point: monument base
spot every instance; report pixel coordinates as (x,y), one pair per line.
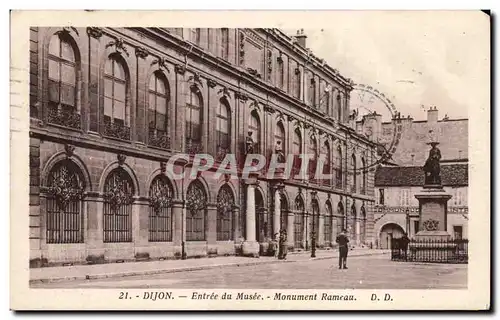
(251,249)
(432,235)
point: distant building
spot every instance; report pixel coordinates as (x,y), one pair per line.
(396,182)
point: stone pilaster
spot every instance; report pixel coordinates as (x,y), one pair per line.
(250,246)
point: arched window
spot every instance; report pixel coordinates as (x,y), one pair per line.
(62,92)
(341,220)
(194,122)
(196,199)
(328,222)
(279,135)
(64,203)
(264,225)
(118,199)
(159,99)
(338,169)
(224,43)
(354,174)
(225,219)
(297,151)
(338,107)
(116,109)
(254,127)
(223,128)
(363,177)
(298,230)
(313,151)
(160,210)
(327,169)
(327,100)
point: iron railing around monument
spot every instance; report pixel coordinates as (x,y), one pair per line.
(426,250)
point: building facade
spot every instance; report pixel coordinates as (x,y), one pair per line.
(109,107)
(396,208)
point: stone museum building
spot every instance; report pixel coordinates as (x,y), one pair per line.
(396,183)
(110,106)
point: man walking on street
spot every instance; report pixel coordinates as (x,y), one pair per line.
(343,242)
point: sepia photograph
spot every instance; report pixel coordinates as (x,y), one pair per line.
(271,164)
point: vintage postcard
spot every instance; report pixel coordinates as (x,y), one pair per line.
(334,160)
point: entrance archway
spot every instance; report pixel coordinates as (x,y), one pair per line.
(388,232)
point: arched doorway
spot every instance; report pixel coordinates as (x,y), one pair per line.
(388,232)
(284,212)
(314,221)
(263,224)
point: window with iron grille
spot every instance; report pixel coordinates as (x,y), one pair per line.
(340,217)
(118,199)
(160,210)
(194,121)
(196,212)
(62,84)
(225,219)
(223,129)
(254,127)
(64,203)
(159,99)
(328,222)
(116,109)
(298,233)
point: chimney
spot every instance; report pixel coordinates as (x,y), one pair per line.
(301,38)
(432,115)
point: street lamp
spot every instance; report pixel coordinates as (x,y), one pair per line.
(183,215)
(313,232)
(407,222)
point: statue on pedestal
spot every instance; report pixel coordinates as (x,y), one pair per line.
(432,167)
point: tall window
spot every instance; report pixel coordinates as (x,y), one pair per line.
(327,100)
(279,135)
(196,212)
(298,230)
(363,176)
(297,151)
(194,120)
(327,169)
(254,127)
(404,199)
(338,107)
(341,220)
(223,128)
(328,222)
(160,210)
(281,73)
(224,43)
(62,83)
(159,97)
(118,199)
(64,204)
(312,91)
(195,35)
(354,174)
(225,219)
(313,151)
(116,112)
(297,82)
(338,169)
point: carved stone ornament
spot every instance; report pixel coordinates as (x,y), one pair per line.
(162,64)
(141,52)
(297,71)
(269,64)
(119,45)
(65,186)
(67,30)
(94,32)
(212,83)
(431,225)
(268,108)
(195,199)
(117,196)
(160,197)
(241,96)
(195,79)
(225,92)
(180,69)
(242,48)
(69,150)
(290,117)
(121,159)
(163,167)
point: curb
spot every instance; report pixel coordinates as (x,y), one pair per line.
(182,269)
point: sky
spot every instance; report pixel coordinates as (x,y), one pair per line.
(418,59)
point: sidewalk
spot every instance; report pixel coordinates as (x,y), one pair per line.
(111,270)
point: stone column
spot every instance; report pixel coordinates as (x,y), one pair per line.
(250,246)
(140,221)
(277,212)
(236,224)
(177,225)
(211,228)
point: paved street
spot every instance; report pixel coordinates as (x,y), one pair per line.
(365,272)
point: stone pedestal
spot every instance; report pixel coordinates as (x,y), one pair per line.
(250,246)
(433,213)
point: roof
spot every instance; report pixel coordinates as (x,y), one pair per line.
(451,175)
